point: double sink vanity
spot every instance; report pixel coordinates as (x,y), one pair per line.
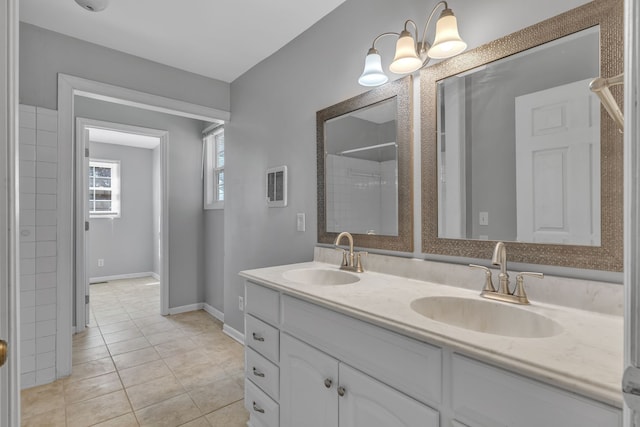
(327,347)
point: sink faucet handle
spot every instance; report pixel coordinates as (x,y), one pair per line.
(488,283)
(519,291)
(359,268)
(345,258)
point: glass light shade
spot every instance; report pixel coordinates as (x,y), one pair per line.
(373,74)
(447,42)
(406,59)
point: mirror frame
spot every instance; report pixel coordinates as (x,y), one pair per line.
(402,90)
(608,14)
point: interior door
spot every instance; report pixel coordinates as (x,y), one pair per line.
(558,163)
(9,316)
(82,228)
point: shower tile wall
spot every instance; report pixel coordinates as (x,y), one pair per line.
(38,243)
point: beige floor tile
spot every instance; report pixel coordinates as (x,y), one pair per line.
(172,412)
(90,341)
(114,318)
(135,358)
(90,369)
(198,422)
(150,320)
(144,373)
(98,409)
(217,395)
(173,347)
(126,420)
(120,336)
(195,376)
(155,391)
(128,345)
(86,355)
(118,326)
(41,399)
(165,337)
(193,357)
(54,418)
(157,328)
(89,388)
(234,415)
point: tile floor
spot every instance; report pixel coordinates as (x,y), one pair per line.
(134,367)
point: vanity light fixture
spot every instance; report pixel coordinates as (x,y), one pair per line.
(411,55)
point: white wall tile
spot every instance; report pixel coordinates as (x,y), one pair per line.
(45,297)
(28,266)
(27,152)
(28,380)
(27,299)
(27,185)
(46,185)
(27,217)
(47,119)
(27,168)
(46,139)
(28,282)
(27,116)
(28,363)
(27,233)
(45,280)
(27,136)
(46,249)
(46,218)
(45,344)
(46,375)
(28,331)
(46,170)
(45,328)
(46,202)
(45,312)
(45,233)
(27,250)
(27,347)
(46,154)
(45,360)
(46,264)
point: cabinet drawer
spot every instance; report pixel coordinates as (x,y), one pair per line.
(485,396)
(261,406)
(263,338)
(263,303)
(263,373)
(408,365)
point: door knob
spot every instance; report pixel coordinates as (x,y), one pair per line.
(3,352)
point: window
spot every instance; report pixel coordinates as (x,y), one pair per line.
(104,188)
(214,169)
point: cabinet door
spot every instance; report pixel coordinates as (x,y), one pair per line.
(370,403)
(308,382)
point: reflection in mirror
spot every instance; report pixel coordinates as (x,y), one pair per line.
(361,171)
(513,173)
(365,168)
(519,147)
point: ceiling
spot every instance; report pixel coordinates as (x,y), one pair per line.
(108,136)
(220,39)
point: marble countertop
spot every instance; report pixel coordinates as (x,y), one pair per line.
(586,357)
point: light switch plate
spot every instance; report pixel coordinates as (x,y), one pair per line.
(300,222)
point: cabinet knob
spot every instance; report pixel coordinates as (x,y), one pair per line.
(257,373)
(257,337)
(328,383)
(257,408)
(341,391)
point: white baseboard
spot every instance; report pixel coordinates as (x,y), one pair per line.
(236,335)
(123,276)
(155,275)
(214,312)
(186,308)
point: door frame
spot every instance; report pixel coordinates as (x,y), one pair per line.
(81,213)
(9,238)
(68,88)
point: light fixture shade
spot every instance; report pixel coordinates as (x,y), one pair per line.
(373,74)
(406,59)
(447,42)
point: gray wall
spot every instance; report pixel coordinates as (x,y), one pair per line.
(125,243)
(186,218)
(214,258)
(44,53)
(273,119)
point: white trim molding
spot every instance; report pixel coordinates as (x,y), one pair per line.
(233,333)
(214,312)
(68,88)
(186,308)
(94,280)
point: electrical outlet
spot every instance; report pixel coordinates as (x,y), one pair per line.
(100,262)
(241,303)
(483,218)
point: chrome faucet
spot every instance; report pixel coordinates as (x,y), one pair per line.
(518,296)
(350,260)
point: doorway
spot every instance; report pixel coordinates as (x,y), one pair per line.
(117,155)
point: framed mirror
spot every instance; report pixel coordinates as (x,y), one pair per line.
(516,148)
(365,168)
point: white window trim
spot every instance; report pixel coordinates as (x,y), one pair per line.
(210,170)
(116,188)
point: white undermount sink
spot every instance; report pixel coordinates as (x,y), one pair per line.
(320,276)
(486,316)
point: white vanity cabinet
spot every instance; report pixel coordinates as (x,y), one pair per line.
(319,391)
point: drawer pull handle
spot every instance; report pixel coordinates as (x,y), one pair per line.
(341,391)
(257,373)
(257,408)
(328,383)
(257,337)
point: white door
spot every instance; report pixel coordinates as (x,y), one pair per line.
(9,375)
(558,163)
(365,402)
(308,385)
